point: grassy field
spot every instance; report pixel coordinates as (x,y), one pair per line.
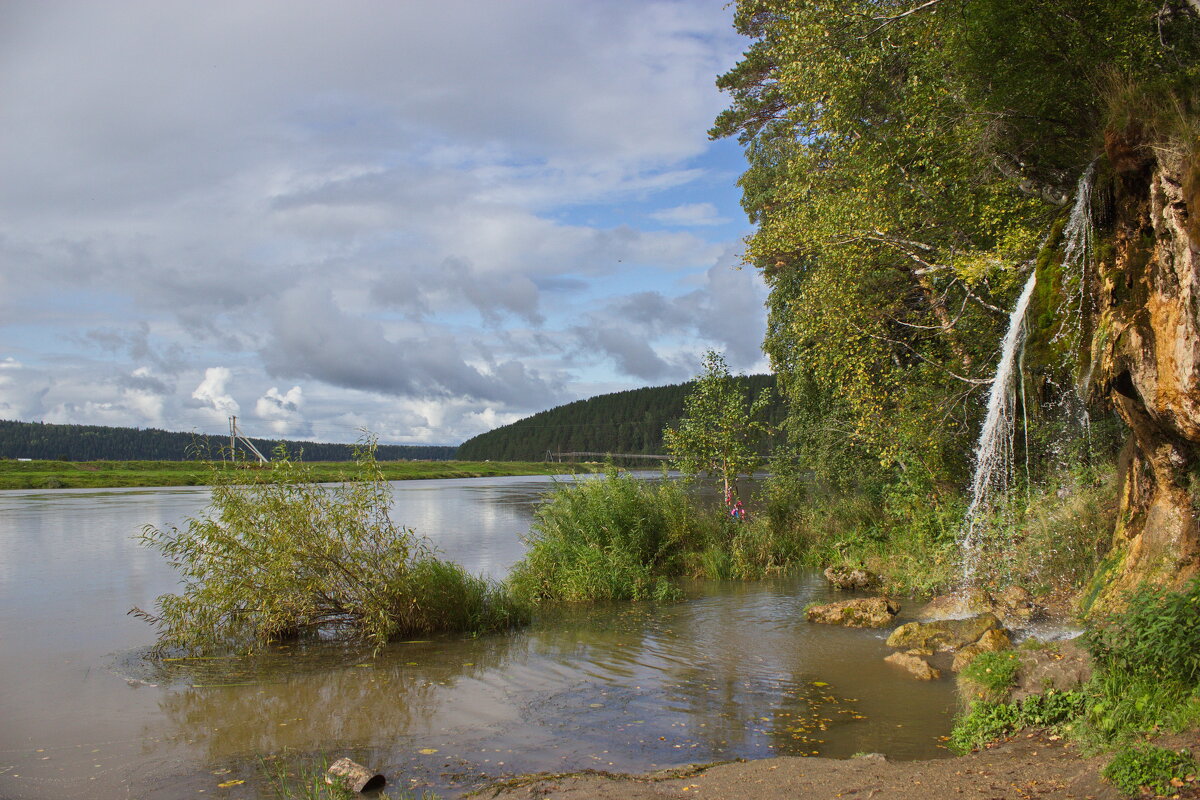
(114,474)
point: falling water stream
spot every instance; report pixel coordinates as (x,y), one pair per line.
(994,452)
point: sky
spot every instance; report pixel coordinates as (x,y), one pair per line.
(426,219)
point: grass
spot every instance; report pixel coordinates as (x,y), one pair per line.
(989,721)
(621,538)
(993,673)
(121,474)
(618,538)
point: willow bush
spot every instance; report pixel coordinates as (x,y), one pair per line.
(277,555)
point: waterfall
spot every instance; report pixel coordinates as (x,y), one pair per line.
(994,451)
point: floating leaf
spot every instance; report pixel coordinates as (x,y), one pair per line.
(427,751)
(227,784)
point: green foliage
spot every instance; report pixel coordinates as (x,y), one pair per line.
(900,193)
(721,428)
(621,538)
(277,555)
(1146,679)
(1148,766)
(994,672)
(616,538)
(1155,637)
(987,721)
(1148,665)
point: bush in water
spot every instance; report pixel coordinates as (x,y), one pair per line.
(277,555)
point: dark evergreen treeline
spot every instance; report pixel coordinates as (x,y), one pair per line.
(41,440)
(623,422)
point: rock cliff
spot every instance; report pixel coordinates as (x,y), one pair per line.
(1146,357)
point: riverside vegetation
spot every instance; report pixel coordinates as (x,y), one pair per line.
(277,555)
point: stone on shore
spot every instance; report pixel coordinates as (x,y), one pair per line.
(918,667)
(849,578)
(944,634)
(865,612)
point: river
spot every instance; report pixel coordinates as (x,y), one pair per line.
(734,671)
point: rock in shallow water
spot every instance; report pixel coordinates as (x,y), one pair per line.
(918,667)
(865,612)
(944,634)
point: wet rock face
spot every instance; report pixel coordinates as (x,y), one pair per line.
(1146,350)
(943,635)
(1014,605)
(849,578)
(866,612)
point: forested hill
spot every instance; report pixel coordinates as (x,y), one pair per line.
(42,440)
(623,422)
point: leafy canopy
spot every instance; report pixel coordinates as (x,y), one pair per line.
(906,158)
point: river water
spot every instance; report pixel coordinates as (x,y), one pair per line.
(734,671)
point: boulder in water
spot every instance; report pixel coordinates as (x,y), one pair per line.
(918,667)
(850,577)
(943,634)
(864,612)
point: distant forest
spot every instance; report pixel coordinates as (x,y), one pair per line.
(623,422)
(41,440)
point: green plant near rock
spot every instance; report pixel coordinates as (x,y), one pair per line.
(278,555)
(1146,766)
(995,673)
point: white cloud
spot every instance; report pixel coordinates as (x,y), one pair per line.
(282,412)
(212,392)
(690,215)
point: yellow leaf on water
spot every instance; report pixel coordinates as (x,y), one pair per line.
(227,784)
(427,751)
(819,683)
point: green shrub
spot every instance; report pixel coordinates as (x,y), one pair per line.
(615,538)
(994,672)
(1149,766)
(1156,636)
(277,555)
(987,721)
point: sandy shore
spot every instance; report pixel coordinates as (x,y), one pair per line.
(1026,766)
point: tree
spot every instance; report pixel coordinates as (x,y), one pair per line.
(721,429)
(906,159)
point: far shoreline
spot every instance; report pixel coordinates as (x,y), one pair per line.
(50,475)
